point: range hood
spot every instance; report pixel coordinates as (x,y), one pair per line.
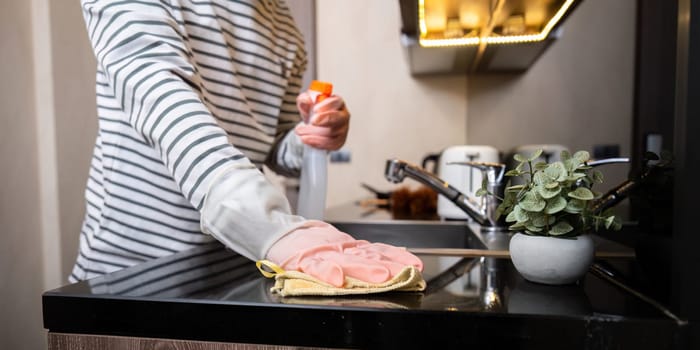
(477,36)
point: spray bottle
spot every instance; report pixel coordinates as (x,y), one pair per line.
(312,190)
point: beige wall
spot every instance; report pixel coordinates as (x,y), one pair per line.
(393,114)
(74,68)
(21,276)
(47,131)
(578,94)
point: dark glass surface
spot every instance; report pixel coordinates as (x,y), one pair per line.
(211,293)
(215,274)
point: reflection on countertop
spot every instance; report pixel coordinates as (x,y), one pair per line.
(214,273)
(211,293)
(206,286)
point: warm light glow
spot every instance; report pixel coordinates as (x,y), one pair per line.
(470,14)
(514,39)
(436,16)
(471,41)
(535,15)
(449,42)
(536,37)
(469,19)
(421,18)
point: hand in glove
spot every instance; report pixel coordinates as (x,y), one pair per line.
(330,122)
(251,216)
(324,252)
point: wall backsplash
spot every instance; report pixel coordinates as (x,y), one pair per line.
(393,114)
(578,94)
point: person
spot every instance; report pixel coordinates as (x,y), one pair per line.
(193,98)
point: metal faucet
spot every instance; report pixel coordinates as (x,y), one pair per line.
(482,210)
(599,162)
(618,193)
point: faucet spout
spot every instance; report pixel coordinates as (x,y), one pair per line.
(599,162)
(623,190)
(481,210)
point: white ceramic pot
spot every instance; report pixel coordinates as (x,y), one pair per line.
(551,260)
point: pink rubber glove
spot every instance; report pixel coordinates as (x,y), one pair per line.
(328,254)
(329,127)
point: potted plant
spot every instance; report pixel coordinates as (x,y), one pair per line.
(551,215)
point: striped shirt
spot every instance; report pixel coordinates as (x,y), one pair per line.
(184,88)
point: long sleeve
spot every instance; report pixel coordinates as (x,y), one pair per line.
(185,91)
(149,71)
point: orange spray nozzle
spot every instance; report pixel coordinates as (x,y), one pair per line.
(324,89)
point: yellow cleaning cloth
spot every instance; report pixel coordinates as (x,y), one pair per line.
(295,283)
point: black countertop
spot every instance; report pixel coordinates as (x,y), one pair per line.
(211,293)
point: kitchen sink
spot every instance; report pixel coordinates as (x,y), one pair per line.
(422,234)
(432,238)
(453,238)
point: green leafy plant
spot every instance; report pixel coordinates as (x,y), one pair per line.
(555,198)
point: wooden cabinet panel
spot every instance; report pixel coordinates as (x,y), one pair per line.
(61,341)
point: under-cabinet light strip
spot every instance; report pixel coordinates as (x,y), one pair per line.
(510,39)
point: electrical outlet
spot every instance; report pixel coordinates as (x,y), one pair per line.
(340,156)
